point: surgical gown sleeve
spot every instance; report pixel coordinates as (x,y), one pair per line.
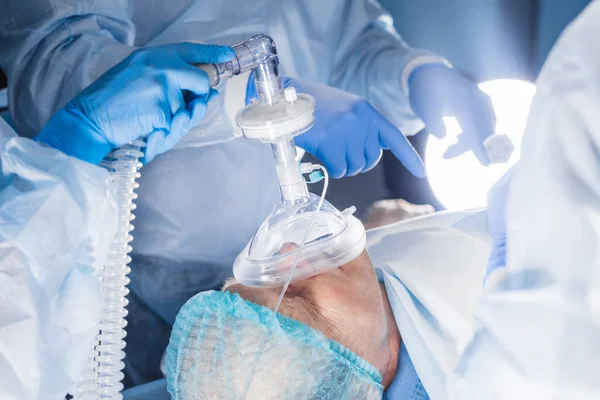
(538,334)
(51,50)
(373,61)
(57,219)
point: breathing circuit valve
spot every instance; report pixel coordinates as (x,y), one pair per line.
(257,52)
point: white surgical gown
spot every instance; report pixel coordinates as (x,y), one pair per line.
(432,267)
(200,203)
(538,334)
(57,218)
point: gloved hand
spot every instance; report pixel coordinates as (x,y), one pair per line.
(496,211)
(141,96)
(437,91)
(349,134)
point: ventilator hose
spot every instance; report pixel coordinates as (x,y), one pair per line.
(102,377)
(87,383)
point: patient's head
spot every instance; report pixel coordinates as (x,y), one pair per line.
(346,344)
(345,304)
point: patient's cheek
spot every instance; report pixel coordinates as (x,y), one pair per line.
(338,296)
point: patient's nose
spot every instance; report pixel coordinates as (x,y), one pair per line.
(287,247)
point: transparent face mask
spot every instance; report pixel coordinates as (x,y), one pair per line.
(335,239)
(304,235)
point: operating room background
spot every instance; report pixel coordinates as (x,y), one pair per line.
(485,39)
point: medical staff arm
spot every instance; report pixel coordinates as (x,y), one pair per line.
(413,88)
(373,61)
(155,93)
(537,334)
(51,50)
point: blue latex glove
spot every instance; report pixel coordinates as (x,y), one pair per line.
(349,134)
(141,96)
(437,91)
(496,211)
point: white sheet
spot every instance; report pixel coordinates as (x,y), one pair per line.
(433,267)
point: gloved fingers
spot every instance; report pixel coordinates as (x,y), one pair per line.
(333,157)
(175,96)
(373,161)
(193,53)
(355,155)
(162,140)
(287,82)
(373,152)
(185,77)
(476,116)
(467,143)
(439,106)
(212,95)
(251,88)
(195,105)
(428,108)
(435,125)
(153,143)
(207,98)
(391,138)
(335,161)
(187,116)
(159,117)
(197,109)
(456,149)
(482,109)
(474,141)
(429,100)
(180,127)
(308,143)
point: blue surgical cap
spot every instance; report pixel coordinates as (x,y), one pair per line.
(219,339)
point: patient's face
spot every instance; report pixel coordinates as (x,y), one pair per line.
(346,304)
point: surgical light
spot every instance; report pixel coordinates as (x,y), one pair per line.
(462,183)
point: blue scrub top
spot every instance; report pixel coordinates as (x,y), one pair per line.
(406,384)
